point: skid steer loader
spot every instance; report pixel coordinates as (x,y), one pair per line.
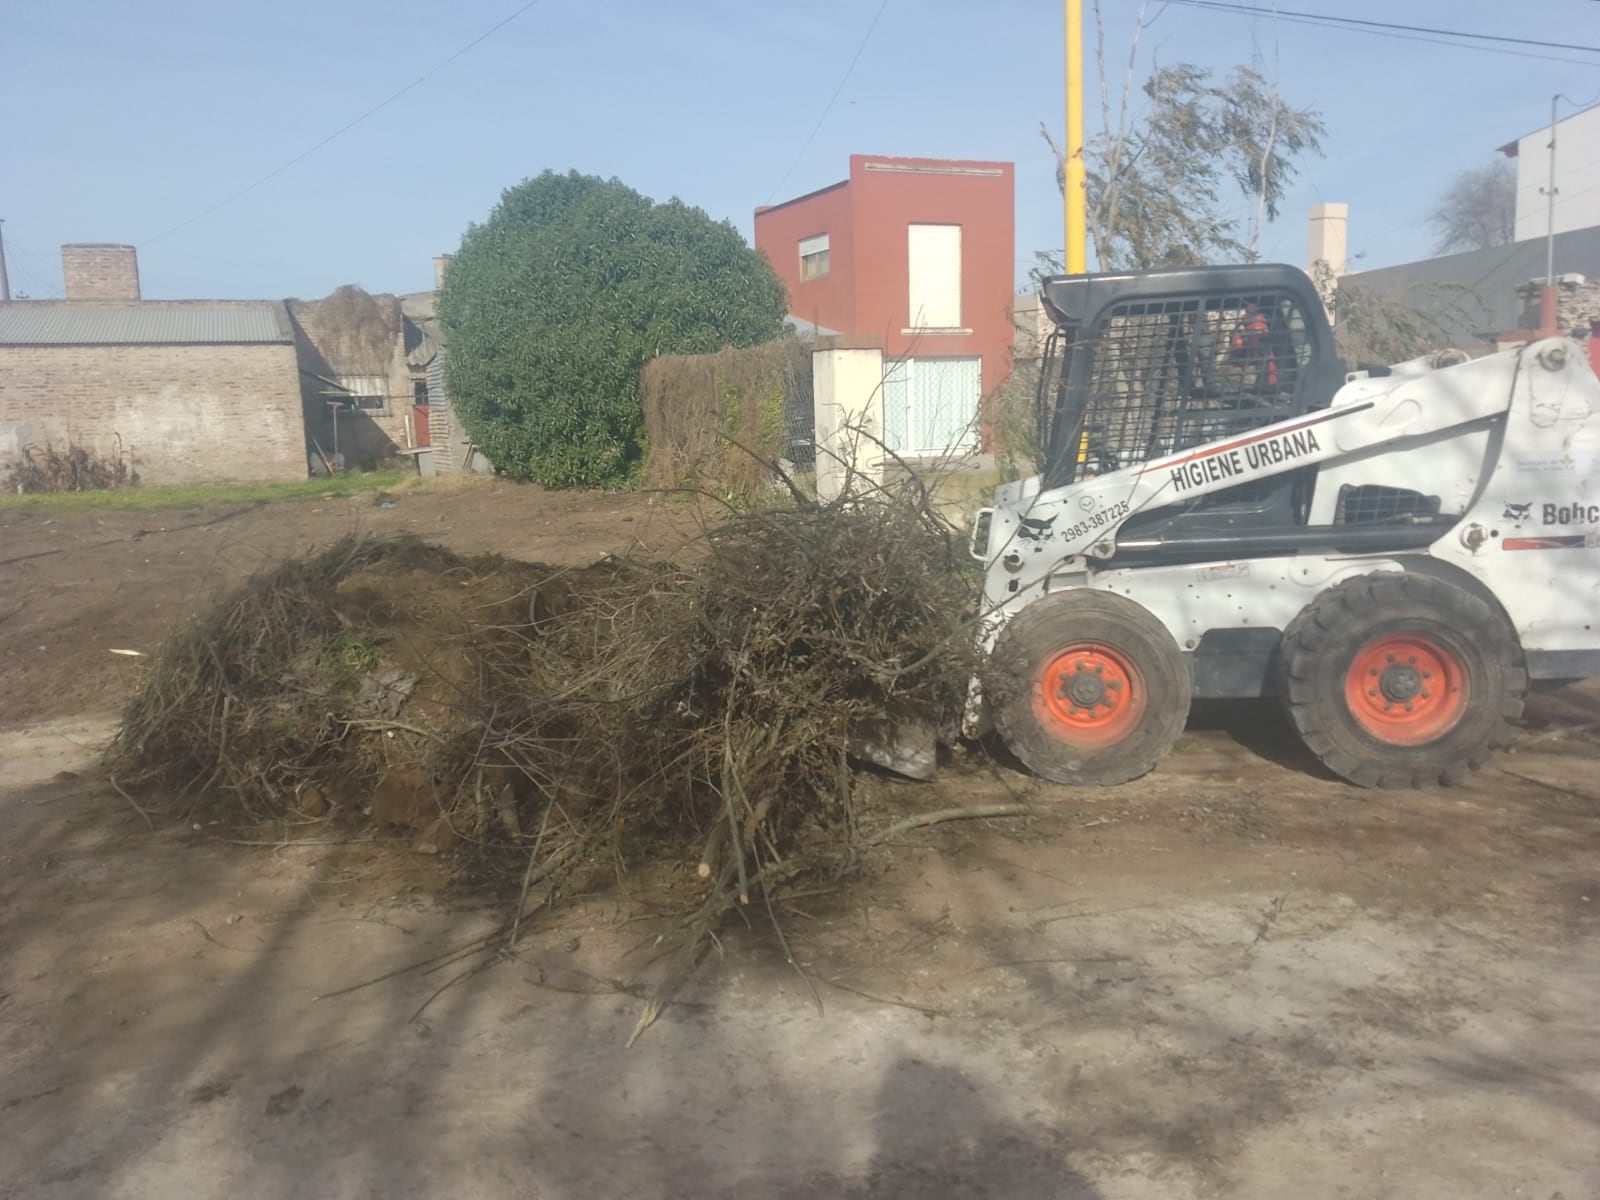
(1226,510)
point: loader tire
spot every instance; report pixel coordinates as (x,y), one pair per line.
(1088,688)
(1402,681)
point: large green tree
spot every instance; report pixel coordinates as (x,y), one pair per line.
(554,303)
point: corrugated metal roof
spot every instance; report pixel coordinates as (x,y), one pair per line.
(1483,284)
(808,329)
(144,323)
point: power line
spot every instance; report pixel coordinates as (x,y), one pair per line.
(1497,44)
(1589,103)
(346,128)
(1455,33)
(827,108)
(35,285)
(1504,261)
(1418,223)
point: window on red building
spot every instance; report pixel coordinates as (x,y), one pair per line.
(934,255)
(814,257)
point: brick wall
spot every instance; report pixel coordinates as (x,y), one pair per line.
(1577,304)
(100,272)
(185,414)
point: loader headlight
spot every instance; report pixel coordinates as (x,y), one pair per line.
(980,534)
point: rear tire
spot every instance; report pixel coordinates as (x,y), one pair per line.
(1088,688)
(1402,681)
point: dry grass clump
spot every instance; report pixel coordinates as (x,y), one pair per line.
(39,470)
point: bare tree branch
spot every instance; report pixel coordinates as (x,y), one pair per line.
(1478,210)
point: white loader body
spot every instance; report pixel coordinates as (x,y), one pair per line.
(1511,442)
(1224,512)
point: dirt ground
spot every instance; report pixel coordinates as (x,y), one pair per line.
(1234,978)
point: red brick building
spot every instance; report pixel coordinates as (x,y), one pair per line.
(918,252)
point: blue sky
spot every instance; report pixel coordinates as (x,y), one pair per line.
(125,120)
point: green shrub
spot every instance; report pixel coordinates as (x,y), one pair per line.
(556,301)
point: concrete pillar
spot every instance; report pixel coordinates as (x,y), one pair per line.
(847,385)
(1328,239)
(1328,247)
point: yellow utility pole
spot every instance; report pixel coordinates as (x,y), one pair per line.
(1075,197)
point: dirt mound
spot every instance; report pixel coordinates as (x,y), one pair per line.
(560,724)
(285,701)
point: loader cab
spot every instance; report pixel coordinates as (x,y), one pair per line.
(1147,364)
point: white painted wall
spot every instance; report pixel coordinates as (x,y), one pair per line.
(1577,176)
(847,388)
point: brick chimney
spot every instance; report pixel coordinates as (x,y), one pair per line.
(100,272)
(441,263)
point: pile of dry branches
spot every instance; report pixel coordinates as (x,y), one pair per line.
(561,724)
(76,469)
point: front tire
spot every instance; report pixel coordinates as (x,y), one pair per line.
(1402,681)
(1088,688)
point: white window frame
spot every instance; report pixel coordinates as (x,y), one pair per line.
(814,257)
(900,388)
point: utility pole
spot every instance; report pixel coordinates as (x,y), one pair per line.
(5,281)
(1548,307)
(1074,196)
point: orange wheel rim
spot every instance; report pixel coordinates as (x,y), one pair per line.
(1406,689)
(1089,694)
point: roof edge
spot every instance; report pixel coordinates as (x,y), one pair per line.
(67,333)
(1512,148)
(832,187)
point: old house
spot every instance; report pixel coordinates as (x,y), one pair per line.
(363,376)
(918,255)
(188,391)
(197,391)
(1480,298)
(450,446)
(372,374)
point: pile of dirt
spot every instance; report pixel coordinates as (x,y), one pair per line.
(285,700)
(554,725)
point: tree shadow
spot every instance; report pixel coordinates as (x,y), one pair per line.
(938,1134)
